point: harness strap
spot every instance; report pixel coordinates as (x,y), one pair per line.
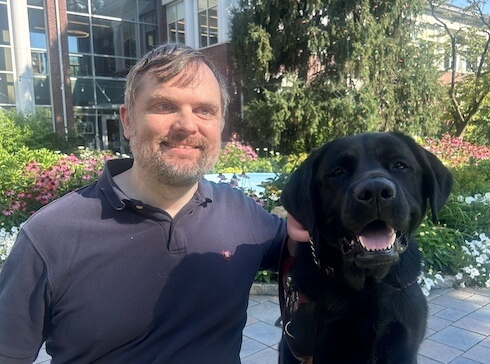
(289,302)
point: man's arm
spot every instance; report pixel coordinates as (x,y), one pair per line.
(297,234)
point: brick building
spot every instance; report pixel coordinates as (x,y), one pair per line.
(70,57)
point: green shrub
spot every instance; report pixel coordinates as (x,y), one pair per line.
(467,215)
(472,178)
(34,131)
(13,136)
(441,247)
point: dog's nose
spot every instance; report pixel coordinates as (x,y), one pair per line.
(375,189)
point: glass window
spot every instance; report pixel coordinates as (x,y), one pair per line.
(78,6)
(125,9)
(78,34)
(129,36)
(147,11)
(37,30)
(41,91)
(6,59)
(207,15)
(112,67)
(40,63)
(4,26)
(35,2)
(110,91)
(80,65)
(109,35)
(176,22)
(149,33)
(7,93)
(83,92)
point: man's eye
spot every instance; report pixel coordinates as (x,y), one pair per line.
(205,112)
(165,107)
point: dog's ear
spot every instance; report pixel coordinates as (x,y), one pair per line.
(297,196)
(438,181)
(439,184)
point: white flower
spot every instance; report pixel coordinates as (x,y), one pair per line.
(474,272)
(459,276)
(7,240)
(483,258)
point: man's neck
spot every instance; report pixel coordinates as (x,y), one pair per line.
(149,191)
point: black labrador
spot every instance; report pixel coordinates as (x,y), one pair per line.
(361,197)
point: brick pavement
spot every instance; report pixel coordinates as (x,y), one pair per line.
(458,330)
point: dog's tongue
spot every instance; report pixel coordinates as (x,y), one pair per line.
(376,237)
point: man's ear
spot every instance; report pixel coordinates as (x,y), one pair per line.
(125,121)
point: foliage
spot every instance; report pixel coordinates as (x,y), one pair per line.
(441,247)
(234,157)
(471,179)
(464,36)
(40,182)
(33,131)
(477,270)
(13,136)
(455,152)
(266,276)
(307,79)
(469,163)
(459,245)
(288,120)
(465,214)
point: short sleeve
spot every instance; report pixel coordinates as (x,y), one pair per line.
(23,303)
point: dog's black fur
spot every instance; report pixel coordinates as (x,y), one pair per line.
(366,306)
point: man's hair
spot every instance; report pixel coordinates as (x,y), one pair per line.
(167,61)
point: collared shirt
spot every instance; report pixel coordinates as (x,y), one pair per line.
(104,278)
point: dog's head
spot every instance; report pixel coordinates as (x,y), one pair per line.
(365,195)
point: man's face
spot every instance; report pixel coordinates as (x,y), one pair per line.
(175,130)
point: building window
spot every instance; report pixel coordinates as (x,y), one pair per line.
(4,26)
(176,22)
(7,93)
(207,15)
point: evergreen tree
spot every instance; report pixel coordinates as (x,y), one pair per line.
(312,70)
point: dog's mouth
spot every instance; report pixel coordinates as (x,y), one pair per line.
(375,240)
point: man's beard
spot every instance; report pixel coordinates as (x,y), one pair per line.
(172,172)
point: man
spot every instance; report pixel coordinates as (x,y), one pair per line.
(151,263)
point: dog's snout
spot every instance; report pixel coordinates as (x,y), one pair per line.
(374,189)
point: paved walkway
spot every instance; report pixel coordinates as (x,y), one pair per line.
(458,331)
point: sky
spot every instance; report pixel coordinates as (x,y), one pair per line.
(463,3)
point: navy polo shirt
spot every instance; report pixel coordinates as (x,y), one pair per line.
(102,278)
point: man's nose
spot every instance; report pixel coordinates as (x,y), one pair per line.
(186,122)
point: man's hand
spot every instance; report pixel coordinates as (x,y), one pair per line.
(296,231)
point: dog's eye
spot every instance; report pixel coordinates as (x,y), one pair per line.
(400,165)
(337,172)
